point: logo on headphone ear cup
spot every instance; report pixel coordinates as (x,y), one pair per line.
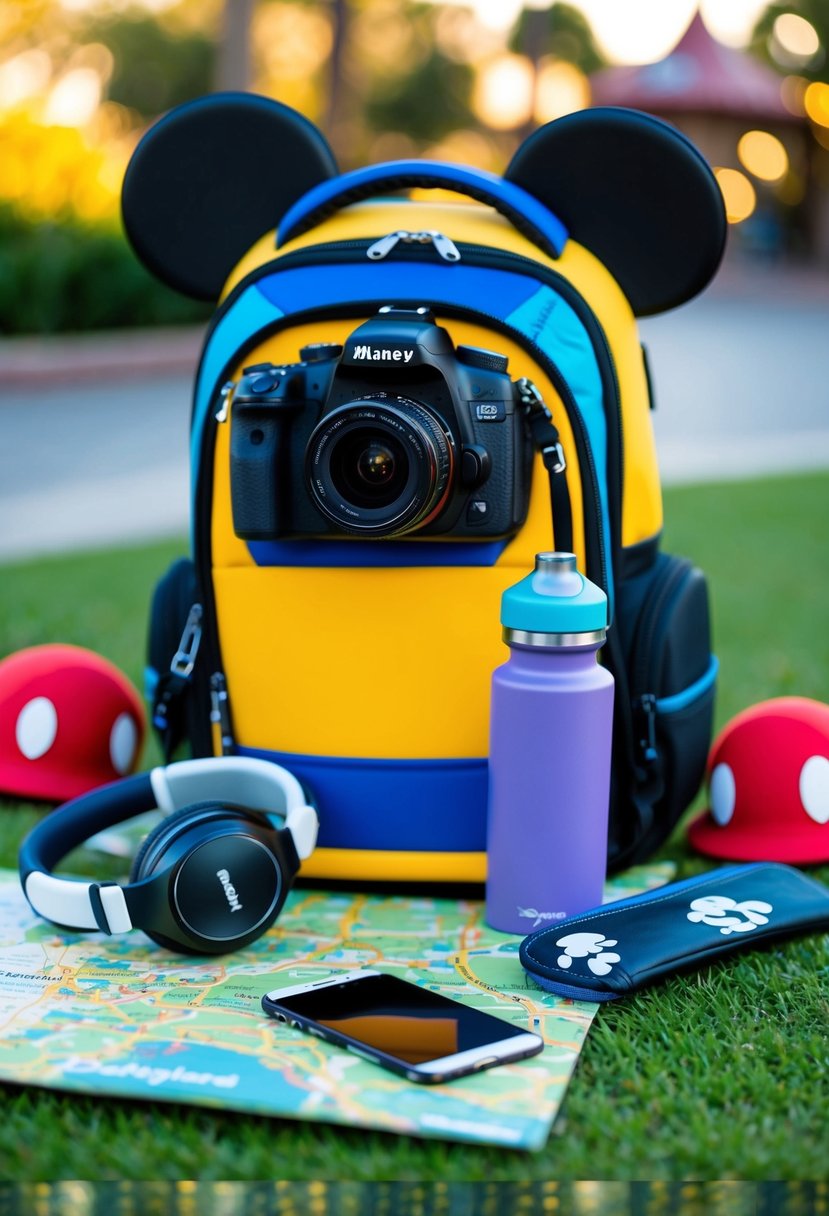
(223,868)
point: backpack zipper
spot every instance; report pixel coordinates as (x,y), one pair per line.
(643,701)
(446,248)
(482,254)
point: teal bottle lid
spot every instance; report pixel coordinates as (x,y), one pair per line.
(553,601)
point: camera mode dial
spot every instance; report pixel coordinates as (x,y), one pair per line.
(319,352)
(486,360)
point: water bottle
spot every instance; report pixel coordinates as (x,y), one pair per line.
(549,756)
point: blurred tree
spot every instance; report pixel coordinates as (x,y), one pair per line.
(336,93)
(560,31)
(427,103)
(234,69)
(154,67)
(413,86)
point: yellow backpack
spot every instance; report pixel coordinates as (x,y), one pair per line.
(402,398)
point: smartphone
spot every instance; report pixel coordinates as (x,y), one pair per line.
(410,1030)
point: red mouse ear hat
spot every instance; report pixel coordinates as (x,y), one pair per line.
(69,721)
(768,785)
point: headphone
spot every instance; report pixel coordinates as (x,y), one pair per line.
(208,879)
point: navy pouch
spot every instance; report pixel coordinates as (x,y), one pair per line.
(620,947)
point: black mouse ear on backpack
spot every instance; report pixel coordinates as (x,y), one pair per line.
(211,177)
(634,191)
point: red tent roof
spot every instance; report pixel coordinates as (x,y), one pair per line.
(700,75)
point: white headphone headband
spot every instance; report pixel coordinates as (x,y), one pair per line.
(258,784)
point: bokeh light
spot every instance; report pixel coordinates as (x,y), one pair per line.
(738,194)
(794,40)
(763,155)
(793,93)
(503,93)
(732,22)
(23,77)
(73,99)
(816,102)
(637,31)
(561,89)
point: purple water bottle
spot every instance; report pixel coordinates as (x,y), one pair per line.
(549,755)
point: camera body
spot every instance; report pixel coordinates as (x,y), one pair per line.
(394,433)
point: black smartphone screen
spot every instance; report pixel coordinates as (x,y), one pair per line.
(399,1018)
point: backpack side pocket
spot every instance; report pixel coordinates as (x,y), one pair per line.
(671,675)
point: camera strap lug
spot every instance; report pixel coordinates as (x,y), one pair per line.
(226,394)
(546,440)
(543,430)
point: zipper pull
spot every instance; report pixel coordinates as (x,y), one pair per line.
(220,716)
(226,394)
(184,660)
(646,707)
(447,248)
(384,246)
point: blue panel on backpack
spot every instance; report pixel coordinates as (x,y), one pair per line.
(375,554)
(493,292)
(414,803)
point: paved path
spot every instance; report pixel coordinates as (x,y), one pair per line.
(95,432)
(742,378)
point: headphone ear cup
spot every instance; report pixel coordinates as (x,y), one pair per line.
(155,843)
(213,877)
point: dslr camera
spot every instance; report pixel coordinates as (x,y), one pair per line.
(397,433)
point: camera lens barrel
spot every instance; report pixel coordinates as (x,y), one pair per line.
(380,466)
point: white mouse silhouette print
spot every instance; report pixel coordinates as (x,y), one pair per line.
(713,910)
(593,947)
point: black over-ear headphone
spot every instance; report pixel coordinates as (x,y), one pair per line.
(210,878)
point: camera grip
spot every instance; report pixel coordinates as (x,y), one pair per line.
(254,443)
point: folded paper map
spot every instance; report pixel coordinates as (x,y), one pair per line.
(122,1017)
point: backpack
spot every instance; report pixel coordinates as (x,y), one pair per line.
(355,519)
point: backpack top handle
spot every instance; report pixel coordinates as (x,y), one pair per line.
(531,217)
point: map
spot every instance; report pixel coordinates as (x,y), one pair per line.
(120,1016)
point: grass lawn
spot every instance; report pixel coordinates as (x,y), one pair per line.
(720,1074)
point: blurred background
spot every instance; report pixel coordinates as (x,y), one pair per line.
(97,358)
(461,80)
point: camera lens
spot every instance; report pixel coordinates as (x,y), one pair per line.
(376,464)
(366,471)
(380,466)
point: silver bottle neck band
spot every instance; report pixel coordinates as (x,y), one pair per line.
(523,637)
